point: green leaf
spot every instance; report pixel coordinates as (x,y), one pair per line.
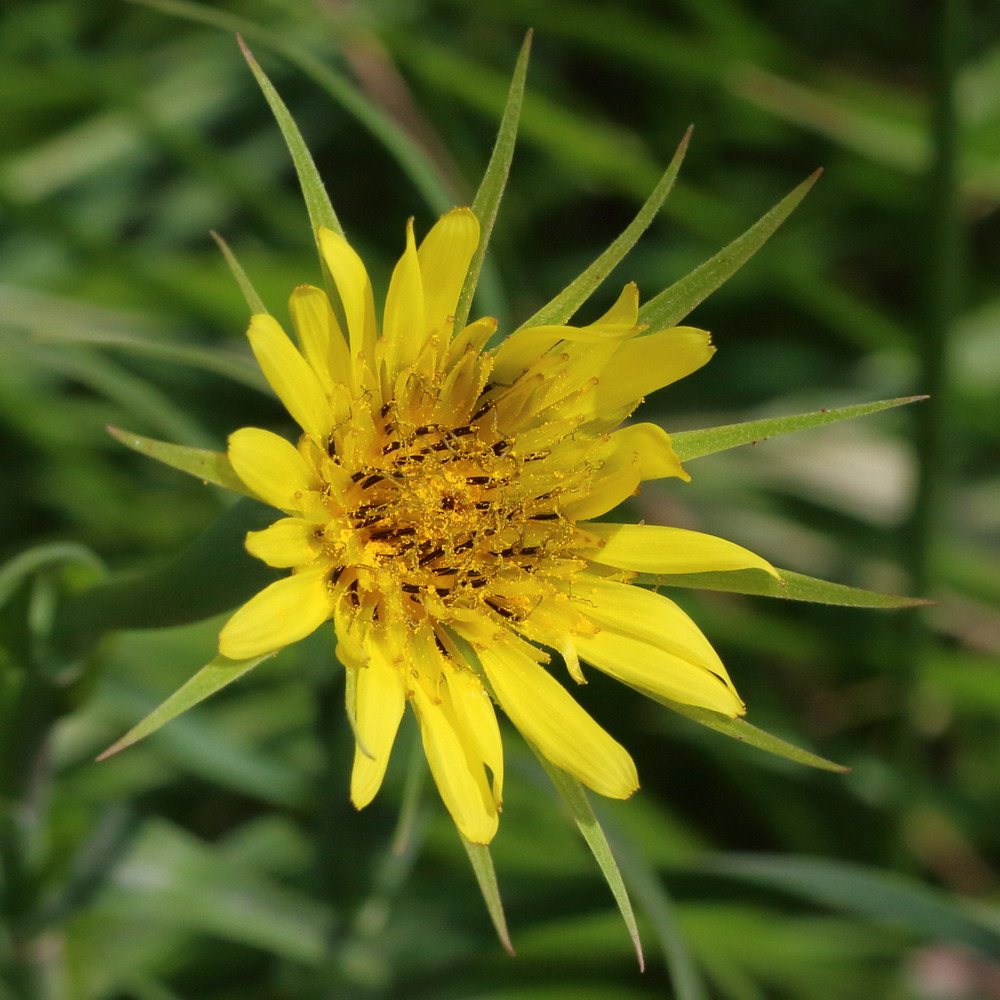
(254,302)
(209,466)
(674,303)
(791,586)
(482,865)
(575,797)
(314,194)
(211,678)
(566,303)
(695,444)
(486,204)
(883,896)
(213,574)
(740,729)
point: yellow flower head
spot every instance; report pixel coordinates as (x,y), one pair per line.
(438,510)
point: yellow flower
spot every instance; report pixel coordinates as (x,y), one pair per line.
(438,509)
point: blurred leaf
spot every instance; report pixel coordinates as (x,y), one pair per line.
(213,574)
(254,302)
(791,587)
(406,153)
(572,793)
(482,865)
(18,568)
(486,204)
(868,892)
(694,444)
(566,303)
(674,303)
(740,729)
(209,466)
(211,678)
(314,194)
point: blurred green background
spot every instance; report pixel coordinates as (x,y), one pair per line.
(221,859)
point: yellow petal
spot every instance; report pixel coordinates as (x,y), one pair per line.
(458,772)
(444,255)
(271,467)
(282,613)
(474,712)
(615,481)
(355,290)
(379,700)
(653,548)
(322,340)
(548,716)
(286,543)
(403,331)
(625,311)
(651,446)
(644,364)
(653,669)
(288,373)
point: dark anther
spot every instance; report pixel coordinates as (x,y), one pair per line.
(331,447)
(505,552)
(422,430)
(529,550)
(535,456)
(410,588)
(377,536)
(449,571)
(369,521)
(504,612)
(431,556)
(464,547)
(500,447)
(441,646)
(447,503)
(358,476)
(336,574)
(476,584)
(544,517)
(386,407)
(401,532)
(482,505)
(478,480)
(371,481)
(442,591)
(390,447)
(440,446)
(462,431)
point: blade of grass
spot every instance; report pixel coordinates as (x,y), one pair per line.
(562,307)
(572,793)
(254,302)
(791,587)
(211,678)
(486,203)
(696,444)
(209,466)
(482,866)
(674,303)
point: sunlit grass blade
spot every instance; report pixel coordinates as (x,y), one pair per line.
(791,586)
(400,146)
(254,302)
(674,303)
(575,798)
(317,201)
(740,729)
(486,203)
(41,557)
(209,466)
(482,865)
(695,444)
(886,897)
(566,303)
(211,678)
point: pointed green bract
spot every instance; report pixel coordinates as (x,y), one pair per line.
(791,586)
(695,444)
(566,303)
(211,678)
(740,729)
(314,194)
(573,794)
(674,303)
(486,204)
(209,466)
(254,302)
(482,866)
